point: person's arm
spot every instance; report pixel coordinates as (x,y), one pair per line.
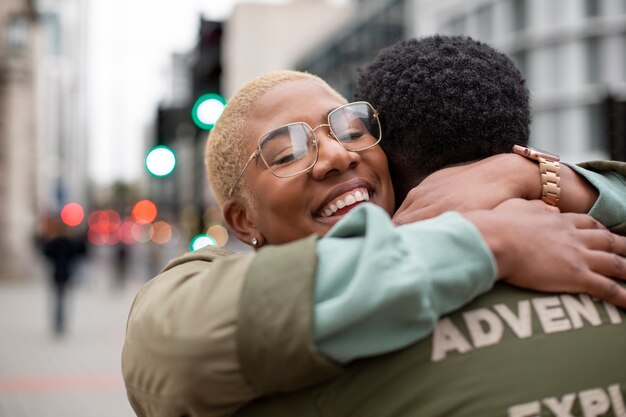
(216,330)
(379,288)
(609,178)
(491,181)
(179,355)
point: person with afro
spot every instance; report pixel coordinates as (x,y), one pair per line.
(451,110)
(447,102)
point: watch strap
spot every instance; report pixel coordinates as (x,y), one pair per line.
(550,172)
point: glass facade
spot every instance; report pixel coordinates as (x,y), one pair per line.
(337,61)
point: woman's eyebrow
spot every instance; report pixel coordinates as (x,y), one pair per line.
(273,133)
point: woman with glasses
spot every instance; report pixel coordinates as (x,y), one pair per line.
(291,161)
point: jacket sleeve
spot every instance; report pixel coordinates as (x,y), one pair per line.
(609,177)
(180,355)
(377,288)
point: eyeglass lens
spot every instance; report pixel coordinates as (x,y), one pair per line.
(355,126)
(291,149)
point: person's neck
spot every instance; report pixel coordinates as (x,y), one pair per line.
(403,188)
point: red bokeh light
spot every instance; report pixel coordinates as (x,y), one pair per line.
(72,214)
(125,232)
(103,227)
(144,212)
(161,232)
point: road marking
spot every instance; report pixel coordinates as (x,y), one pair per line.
(84,382)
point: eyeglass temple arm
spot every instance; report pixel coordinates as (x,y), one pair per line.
(254,155)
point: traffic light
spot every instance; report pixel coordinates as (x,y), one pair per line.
(160,161)
(207,74)
(207,109)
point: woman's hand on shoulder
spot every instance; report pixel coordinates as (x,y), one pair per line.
(538,249)
(479,185)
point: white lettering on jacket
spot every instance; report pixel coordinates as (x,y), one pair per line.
(593,402)
(486,326)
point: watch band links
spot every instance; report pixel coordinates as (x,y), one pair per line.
(550,181)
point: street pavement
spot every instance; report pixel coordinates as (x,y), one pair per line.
(78,374)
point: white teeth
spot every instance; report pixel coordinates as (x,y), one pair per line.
(348,200)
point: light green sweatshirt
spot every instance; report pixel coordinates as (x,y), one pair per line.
(443,265)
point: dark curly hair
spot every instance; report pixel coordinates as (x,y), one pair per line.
(444,100)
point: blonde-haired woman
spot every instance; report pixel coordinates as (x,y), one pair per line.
(291,161)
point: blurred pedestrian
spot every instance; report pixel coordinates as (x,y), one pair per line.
(62,251)
(121,264)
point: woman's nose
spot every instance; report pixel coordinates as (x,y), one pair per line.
(333,157)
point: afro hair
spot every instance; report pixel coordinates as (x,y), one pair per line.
(444,100)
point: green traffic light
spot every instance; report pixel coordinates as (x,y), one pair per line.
(207,109)
(200,241)
(160,161)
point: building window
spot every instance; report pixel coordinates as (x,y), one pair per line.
(519,14)
(544,131)
(18,32)
(484,17)
(592,47)
(52,30)
(623,58)
(596,126)
(456,26)
(592,8)
(521,62)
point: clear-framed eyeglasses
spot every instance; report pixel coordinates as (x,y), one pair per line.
(292,149)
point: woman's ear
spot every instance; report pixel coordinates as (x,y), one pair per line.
(240,218)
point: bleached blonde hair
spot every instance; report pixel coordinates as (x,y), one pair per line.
(224,154)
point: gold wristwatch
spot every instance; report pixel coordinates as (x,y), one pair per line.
(549,169)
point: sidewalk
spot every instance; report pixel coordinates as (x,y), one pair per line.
(77,375)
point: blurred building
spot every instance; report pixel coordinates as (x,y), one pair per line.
(61,104)
(372,26)
(572,52)
(18,163)
(265,37)
(42,131)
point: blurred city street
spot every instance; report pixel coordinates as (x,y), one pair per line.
(78,373)
(106,109)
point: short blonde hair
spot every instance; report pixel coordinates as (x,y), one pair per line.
(224,153)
